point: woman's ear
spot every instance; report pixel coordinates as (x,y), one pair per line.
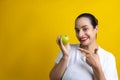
(96,28)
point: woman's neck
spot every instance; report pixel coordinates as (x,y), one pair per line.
(91,47)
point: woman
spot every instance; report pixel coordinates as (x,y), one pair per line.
(87,60)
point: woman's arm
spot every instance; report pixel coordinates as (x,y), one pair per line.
(98,73)
(59,69)
(93,60)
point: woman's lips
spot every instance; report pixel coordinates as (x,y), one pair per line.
(83,39)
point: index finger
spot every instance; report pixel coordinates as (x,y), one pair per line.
(84,50)
(58,39)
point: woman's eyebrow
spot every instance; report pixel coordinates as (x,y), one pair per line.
(81,27)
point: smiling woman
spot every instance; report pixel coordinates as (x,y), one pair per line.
(86,27)
(28,30)
(99,64)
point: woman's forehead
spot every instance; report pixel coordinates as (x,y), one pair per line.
(83,22)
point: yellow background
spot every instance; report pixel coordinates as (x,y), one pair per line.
(29,28)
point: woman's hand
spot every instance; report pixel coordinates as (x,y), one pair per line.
(92,58)
(64,48)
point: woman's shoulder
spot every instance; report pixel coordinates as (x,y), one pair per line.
(105,53)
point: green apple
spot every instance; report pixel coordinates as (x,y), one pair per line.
(65,39)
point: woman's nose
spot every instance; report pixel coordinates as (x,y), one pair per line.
(81,33)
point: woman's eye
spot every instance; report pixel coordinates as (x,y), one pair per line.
(85,29)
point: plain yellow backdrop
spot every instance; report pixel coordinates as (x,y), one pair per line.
(29,28)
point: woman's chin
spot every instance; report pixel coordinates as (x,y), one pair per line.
(84,43)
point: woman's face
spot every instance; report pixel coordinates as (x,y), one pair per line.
(85,32)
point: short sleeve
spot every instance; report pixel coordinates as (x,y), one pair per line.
(58,57)
(111,70)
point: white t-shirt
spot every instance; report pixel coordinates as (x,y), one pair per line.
(78,69)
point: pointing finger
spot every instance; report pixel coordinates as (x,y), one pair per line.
(83,50)
(95,51)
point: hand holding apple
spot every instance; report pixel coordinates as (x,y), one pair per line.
(62,42)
